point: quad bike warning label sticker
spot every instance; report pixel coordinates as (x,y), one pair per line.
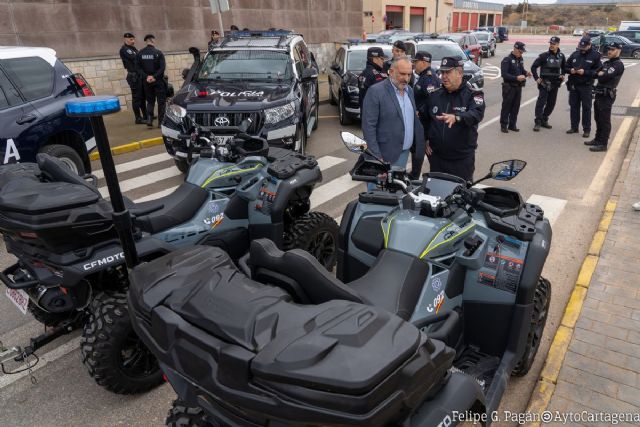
(501,272)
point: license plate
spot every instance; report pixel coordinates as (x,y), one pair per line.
(20,298)
(218,140)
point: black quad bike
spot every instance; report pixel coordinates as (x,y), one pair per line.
(71,270)
(439,299)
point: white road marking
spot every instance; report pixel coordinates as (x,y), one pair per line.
(551,206)
(136,164)
(332,189)
(497,118)
(142,180)
(45,359)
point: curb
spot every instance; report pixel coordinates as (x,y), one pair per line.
(132,146)
(551,369)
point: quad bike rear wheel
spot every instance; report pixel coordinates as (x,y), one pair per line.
(183,415)
(541,302)
(316,233)
(46,318)
(114,355)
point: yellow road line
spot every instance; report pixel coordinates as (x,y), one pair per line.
(127,148)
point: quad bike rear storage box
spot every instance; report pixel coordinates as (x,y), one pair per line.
(246,349)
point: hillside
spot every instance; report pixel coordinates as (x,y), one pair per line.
(569,16)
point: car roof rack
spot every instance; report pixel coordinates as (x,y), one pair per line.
(257,38)
(426,36)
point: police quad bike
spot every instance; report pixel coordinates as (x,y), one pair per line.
(70,270)
(438,300)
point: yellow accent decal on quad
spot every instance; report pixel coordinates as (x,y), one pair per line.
(429,248)
(215,175)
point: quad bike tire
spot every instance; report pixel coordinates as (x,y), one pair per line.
(46,318)
(541,302)
(183,415)
(316,233)
(182,165)
(113,354)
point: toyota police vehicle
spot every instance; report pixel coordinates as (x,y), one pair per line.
(266,80)
(34,88)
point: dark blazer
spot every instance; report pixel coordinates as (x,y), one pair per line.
(383,126)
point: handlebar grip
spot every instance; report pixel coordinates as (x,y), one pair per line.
(489,208)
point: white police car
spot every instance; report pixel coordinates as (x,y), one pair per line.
(34,87)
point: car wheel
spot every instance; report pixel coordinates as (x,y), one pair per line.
(345,120)
(66,155)
(317,113)
(300,145)
(636,54)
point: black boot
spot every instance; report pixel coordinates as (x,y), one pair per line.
(536,126)
(514,129)
(150,122)
(592,142)
(572,131)
(545,124)
(597,148)
(140,120)
(503,129)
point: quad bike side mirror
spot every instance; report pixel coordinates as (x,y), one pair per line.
(507,170)
(353,143)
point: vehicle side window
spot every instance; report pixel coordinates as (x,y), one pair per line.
(340,59)
(33,75)
(473,40)
(9,96)
(304,55)
(336,60)
(297,60)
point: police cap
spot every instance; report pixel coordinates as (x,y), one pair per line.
(450,62)
(519,46)
(399,44)
(584,42)
(614,45)
(149,36)
(422,56)
(129,36)
(554,40)
(375,52)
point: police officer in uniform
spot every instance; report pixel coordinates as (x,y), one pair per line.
(514,77)
(452,114)
(151,66)
(373,72)
(581,66)
(551,64)
(608,78)
(128,54)
(427,82)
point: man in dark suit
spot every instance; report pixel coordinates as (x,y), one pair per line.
(389,122)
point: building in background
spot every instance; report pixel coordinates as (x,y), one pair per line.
(467,15)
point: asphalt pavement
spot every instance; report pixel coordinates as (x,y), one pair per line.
(569,182)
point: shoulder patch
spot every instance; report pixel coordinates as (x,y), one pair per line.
(129,51)
(435,110)
(478,99)
(611,70)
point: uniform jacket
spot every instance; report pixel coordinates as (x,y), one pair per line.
(371,75)
(548,62)
(151,63)
(128,55)
(613,70)
(589,61)
(383,126)
(512,67)
(427,82)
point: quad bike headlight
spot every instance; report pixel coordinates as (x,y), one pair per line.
(176,113)
(278,114)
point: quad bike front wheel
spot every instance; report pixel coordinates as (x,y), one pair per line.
(316,233)
(183,415)
(114,355)
(541,302)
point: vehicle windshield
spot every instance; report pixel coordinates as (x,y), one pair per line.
(357,59)
(439,51)
(624,39)
(483,37)
(246,65)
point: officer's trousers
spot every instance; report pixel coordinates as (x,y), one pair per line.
(602,115)
(580,96)
(511,96)
(546,101)
(156,91)
(463,167)
(137,95)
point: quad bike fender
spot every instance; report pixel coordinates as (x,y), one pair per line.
(459,397)
(298,187)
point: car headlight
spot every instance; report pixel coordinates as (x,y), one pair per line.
(353,89)
(176,113)
(278,114)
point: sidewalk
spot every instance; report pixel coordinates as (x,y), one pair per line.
(600,372)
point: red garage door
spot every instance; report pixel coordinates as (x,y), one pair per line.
(464,21)
(474,21)
(498,19)
(455,22)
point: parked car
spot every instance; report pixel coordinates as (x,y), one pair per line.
(34,88)
(487,41)
(577,32)
(439,48)
(268,77)
(629,49)
(373,37)
(633,35)
(594,33)
(469,44)
(349,62)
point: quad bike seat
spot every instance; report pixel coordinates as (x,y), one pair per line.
(171,210)
(247,346)
(394,282)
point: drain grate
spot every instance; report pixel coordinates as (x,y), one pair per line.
(625,111)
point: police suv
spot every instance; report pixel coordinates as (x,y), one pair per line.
(34,88)
(268,79)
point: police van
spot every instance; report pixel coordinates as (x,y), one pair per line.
(268,78)
(34,87)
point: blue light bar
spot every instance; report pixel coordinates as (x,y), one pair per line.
(93,106)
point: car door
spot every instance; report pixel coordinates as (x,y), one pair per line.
(335,73)
(19,134)
(309,87)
